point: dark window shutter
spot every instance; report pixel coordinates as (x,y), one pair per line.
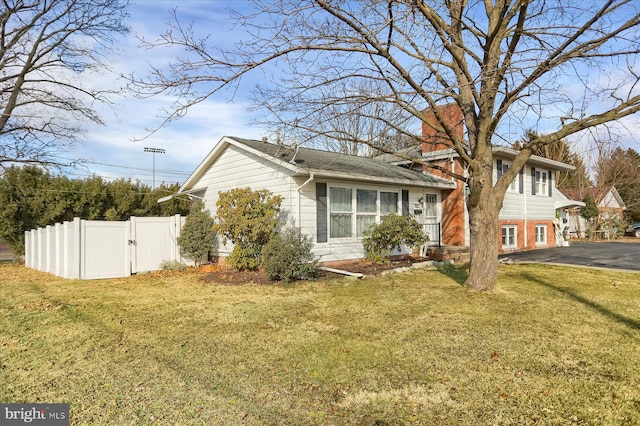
(321,212)
(550,184)
(498,168)
(521,181)
(533,181)
(405,201)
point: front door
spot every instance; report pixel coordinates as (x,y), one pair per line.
(430,218)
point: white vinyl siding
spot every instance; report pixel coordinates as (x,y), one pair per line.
(235,168)
(523,204)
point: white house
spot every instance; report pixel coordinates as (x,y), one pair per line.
(333,197)
(610,205)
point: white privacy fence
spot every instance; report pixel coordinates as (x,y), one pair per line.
(92,249)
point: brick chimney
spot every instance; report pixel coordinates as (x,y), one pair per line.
(434,137)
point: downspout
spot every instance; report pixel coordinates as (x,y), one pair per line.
(526,221)
(311,177)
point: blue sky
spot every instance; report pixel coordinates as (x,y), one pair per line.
(115,149)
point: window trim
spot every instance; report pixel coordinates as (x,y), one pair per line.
(542,182)
(514,229)
(501,168)
(544,227)
(354,207)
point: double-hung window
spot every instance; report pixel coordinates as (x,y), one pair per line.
(341,212)
(541,234)
(541,182)
(509,236)
(388,203)
(503,166)
(367,209)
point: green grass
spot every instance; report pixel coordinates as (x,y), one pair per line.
(552,345)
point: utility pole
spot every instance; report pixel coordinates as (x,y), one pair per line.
(154,151)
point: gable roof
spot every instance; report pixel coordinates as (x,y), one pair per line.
(300,161)
(598,194)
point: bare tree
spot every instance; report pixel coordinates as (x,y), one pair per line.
(45,47)
(510,65)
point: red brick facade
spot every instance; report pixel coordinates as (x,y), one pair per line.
(530,242)
(434,139)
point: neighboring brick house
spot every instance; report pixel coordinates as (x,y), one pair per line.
(610,205)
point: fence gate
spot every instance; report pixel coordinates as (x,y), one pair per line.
(152,240)
(104,253)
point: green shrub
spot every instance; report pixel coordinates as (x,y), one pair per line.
(287,256)
(247,218)
(197,237)
(394,231)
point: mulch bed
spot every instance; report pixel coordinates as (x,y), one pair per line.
(367,268)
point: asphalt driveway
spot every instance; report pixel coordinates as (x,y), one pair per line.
(615,255)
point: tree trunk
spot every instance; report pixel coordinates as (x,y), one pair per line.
(483,250)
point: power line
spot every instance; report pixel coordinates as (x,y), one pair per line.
(119,166)
(175,172)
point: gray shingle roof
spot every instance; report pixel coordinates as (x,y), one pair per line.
(325,162)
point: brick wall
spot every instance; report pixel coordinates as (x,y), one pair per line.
(435,139)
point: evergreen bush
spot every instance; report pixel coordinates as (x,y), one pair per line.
(197,237)
(287,256)
(379,240)
(247,218)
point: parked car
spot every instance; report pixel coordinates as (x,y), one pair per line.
(634,229)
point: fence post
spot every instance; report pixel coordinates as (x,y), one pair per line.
(27,247)
(176,228)
(60,250)
(81,227)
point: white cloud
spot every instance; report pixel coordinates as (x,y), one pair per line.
(186,141)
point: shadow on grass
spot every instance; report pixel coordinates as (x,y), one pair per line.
(629,322)
(458,273)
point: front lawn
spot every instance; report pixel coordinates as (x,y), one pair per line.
(552,345)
